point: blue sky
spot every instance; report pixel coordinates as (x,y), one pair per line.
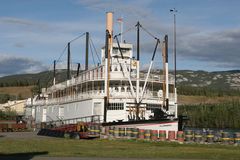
(34,33)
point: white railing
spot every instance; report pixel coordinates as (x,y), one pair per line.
(99,94)
(70,98)
(98,74)
(89,75)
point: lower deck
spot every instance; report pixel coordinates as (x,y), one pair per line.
(118,110)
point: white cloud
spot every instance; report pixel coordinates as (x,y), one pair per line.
(18,65)
(220,48)
(44,40)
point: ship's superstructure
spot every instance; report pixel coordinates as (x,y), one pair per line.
(115,90)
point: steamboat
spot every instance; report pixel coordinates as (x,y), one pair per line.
(115,92)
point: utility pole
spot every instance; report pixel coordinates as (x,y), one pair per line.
(174,11)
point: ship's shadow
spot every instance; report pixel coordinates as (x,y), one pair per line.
(22,156)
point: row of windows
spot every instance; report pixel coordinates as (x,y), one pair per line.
(112,106)
(116,50)
(152,106)
(68,108)
(116,106)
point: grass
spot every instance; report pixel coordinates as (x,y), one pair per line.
(25,91)
(117,148)
(189,100)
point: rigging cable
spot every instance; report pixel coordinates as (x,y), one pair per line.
(125,31)
(61,54)
(95,49)
(77,37)
(70,43)
(48,75)
(148,32)
(92,55)
(129,79)
(58,60)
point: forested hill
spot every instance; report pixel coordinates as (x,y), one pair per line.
(42,78)
(220,79)
(209,83)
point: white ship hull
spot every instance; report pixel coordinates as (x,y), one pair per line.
(89,107)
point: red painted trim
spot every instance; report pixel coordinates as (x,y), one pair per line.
(149,124)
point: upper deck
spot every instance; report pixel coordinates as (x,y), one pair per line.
(90,83)
(121,69)
(97,74)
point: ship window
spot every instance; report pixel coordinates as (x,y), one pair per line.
(116,106)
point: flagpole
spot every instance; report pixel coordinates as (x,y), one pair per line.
(121,24)
(120,21)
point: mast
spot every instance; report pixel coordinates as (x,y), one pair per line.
(87,48)
(54,72)
(68,62)
(106,78)
(138,69)
(166,71)
(78,69)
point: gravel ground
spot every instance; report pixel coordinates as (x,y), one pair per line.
(22,135)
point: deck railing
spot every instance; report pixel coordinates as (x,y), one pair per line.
(88,119)
(99,94)
(98,73)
